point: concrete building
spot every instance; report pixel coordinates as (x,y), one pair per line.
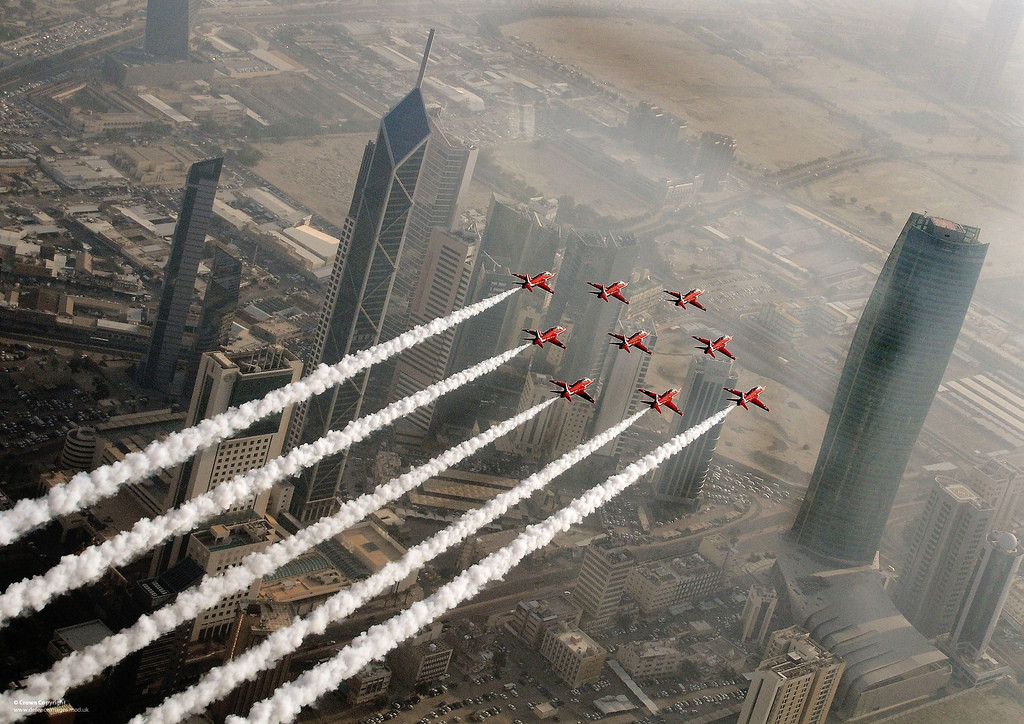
(657,586)
(414,664)
(647,659)
(81,449)
(895,364)
(981,64)
(370,682)
(158,366)
(794,687)
(531,619)
(990,587)
(943,552)
(250,627)
(602,579)
(574,656)
(446,265)
(1001,483)
(757,613)
(220,546)
(167,28)
(681,479)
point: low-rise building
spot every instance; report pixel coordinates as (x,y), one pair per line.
(645,659)
(370,682)
(573,655)
(659,585)
(532,619)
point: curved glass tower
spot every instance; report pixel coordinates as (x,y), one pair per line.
(895,363)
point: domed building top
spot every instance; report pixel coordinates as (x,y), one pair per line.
(1004,540)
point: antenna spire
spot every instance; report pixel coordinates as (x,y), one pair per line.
(426,54)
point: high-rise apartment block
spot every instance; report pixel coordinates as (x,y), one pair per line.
(984,58)
(158,366)
(944,550)
(681,479)
(602,579)
(756,618)
(794,685)
(993,578)
(895,364)
(1001,483)
(445,269)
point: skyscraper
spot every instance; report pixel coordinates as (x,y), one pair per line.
(157,368)
(357,298)
(167,28)
(219,302)
(795,683)
(993,577)
(1001,483)
(943,552)
(895,363)
(606,565)
(682,477)
(445,272)
(988,48)
(923,27)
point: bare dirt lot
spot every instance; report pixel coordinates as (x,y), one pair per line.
(666,66)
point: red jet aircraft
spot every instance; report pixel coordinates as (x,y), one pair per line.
(664,399)
(577,388)
(633,340)
(539,338)
(610,290)
(750,395)
(690,297)
(541,280)
(717,346)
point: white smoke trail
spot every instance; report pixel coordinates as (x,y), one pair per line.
(81,666)
(87,488)
(290,698)
(77,570)
(223,679)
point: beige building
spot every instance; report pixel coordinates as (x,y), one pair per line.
(370,682)
(645,659)
(532,619)
(659,585)
(758,612)
(1002,485)
(796,686)
(1013,608)
(573,655)
(602,579)
(420,663)
(218,548)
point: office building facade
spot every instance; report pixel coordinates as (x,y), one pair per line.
(755,621)
(158,366)
(980,70)
(943,552)
(359,289)
(602,579)
(895,363)
(681,479)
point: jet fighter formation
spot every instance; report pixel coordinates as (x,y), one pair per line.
(578,388)
(664,399)
(750,395)
(610,290)
(633,340)
(684,298)
(627,342)
(717,346)
(551,335)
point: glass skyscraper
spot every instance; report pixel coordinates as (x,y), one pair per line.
(360,287)
(895,364)
(167,28)
(157,368)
